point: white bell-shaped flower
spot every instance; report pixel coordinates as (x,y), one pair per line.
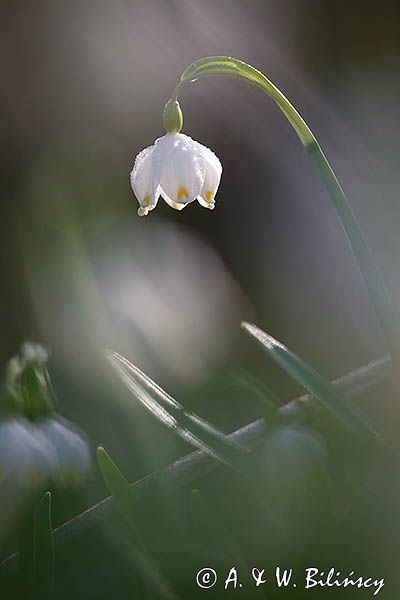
(26,455)
(71,449)
(27,459)
(177,168)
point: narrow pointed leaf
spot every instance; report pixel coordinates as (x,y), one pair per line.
(187,425)
(129,507)
(121,491)
(43,546)
(185,472)
(348,413)
(25,548)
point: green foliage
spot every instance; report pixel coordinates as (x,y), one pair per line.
(348,413)
(26,384)
(36,550)
(245,381)
(156,585)
(232,67)
(43,547)
(122,493)
(189,426)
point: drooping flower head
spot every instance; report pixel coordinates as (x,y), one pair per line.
(177,168)
(71,449)
(36,444)
(26,455)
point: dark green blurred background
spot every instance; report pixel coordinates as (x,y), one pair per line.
(84,84)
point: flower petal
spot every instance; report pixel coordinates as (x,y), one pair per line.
(71,448)
(179,167)
(212,178)
(172,203)
(143,181)
(26,456)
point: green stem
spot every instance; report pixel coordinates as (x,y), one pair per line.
(231,67)
(385,311)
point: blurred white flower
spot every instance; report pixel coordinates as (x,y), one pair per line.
(177,168)
(70,449)
(27,457)
(33,453)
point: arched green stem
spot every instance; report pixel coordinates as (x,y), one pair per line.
(232,67)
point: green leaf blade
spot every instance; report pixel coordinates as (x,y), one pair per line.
(43,546)
(187,425)
(348,413)
(128,505)
(120,490)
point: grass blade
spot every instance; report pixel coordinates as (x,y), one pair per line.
(129,507)
(121,491)
(43,546)
(187,425)
(190,469)
(25,549)
(348,413)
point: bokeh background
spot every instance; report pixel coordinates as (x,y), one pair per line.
(84,84)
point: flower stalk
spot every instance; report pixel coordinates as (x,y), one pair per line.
(230,67)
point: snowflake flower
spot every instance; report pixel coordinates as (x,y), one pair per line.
(70,447)
(179,169)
